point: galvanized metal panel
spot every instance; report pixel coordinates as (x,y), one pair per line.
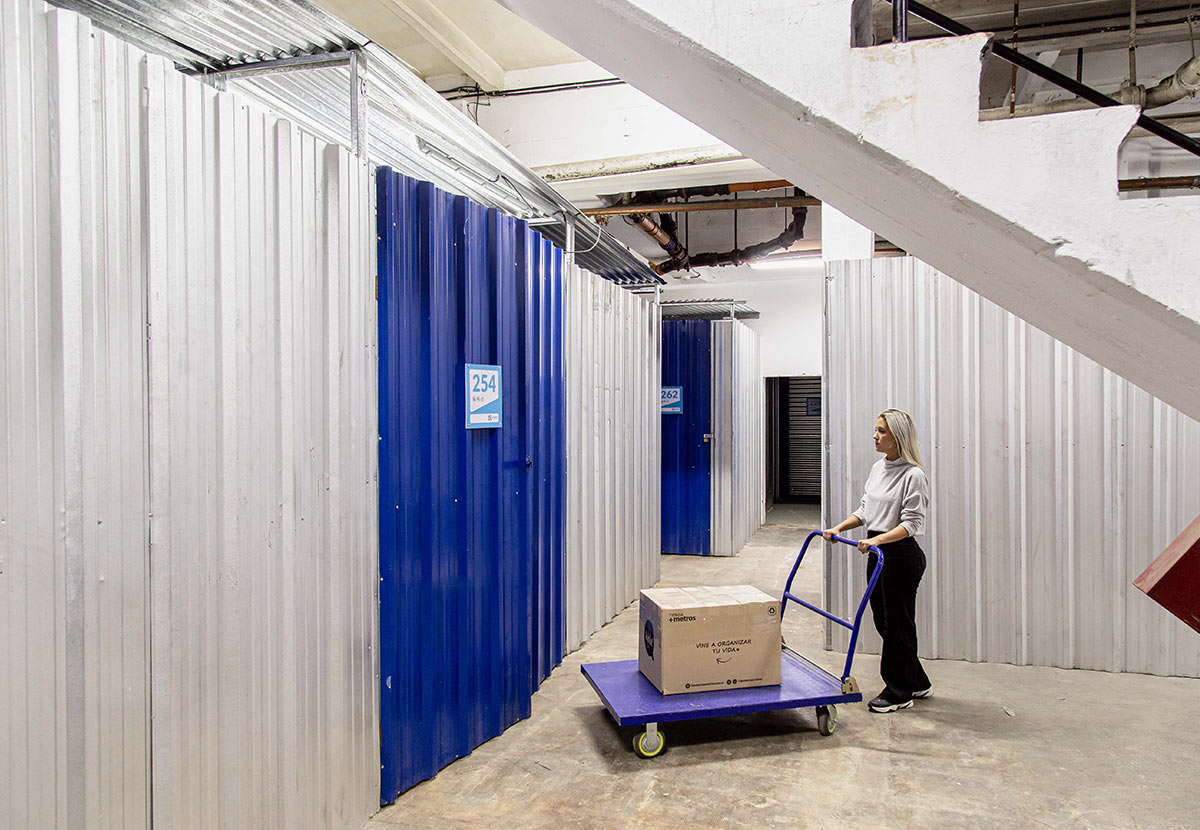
(738,500)
(613,354)
(412,128)
(471,520)
(74,726)
(417,132)
(687,459)
(701,309)
(1054,482)
(203,33)
(263,467)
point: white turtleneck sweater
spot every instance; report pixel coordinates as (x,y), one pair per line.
(896,493)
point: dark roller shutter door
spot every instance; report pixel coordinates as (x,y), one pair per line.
(804,438)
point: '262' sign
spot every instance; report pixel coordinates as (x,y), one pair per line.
(671,400)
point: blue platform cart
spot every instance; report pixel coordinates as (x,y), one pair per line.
(633,700)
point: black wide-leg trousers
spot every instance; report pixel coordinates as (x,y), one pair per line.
(894,607)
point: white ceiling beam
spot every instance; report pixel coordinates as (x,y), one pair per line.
(448,38)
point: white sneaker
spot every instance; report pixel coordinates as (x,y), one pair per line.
(886,703)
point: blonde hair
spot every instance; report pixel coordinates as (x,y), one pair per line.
(900,425)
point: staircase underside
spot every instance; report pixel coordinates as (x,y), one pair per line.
(1025,211)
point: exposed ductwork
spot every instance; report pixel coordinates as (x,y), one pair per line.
(636,208)
(792,234)
(770,203)
(642,197)
(664,233)
(1185,82)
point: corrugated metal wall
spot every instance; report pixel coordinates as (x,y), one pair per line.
(687,362)
(471,520)
(738,505)
(1054,481)
(613,355)
(188,335)
(263,468)
(74,573)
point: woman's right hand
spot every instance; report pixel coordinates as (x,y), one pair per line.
(828,535)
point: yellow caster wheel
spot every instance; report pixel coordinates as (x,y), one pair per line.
(649,746)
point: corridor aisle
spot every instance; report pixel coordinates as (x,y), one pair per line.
(998,746)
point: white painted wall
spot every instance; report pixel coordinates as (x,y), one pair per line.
(584,127)
(1025,212)
(843,238)
(562,127)
(790,327)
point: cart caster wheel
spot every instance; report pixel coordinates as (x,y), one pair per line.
(826,720)
(643,747)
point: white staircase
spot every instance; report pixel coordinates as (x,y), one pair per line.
(1024,211)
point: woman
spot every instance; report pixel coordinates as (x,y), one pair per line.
(895,499)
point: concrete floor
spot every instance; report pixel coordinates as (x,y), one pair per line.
(997,747)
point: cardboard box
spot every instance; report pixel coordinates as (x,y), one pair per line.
(704,639)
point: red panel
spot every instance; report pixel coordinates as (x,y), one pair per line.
(1173,579)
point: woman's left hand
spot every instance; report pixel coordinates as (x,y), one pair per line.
(865,546)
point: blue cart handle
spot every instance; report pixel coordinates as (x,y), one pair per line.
(843,540)
(788,595)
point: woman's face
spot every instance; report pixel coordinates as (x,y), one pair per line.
(885,442)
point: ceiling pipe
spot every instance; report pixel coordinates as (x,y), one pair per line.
(1068,83)
(1185,82)
(793,233)
(747,187)
(635,208)
(642,197)
(1109,31)
(476,91)
(1159,183)
(714,204)
(664,236)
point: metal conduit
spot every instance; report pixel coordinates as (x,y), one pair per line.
(900,21)
(1159,183)
(712,204)
(1068,83)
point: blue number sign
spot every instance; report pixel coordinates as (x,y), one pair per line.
(671,400)
(485,404)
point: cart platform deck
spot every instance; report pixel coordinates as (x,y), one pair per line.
(632,700)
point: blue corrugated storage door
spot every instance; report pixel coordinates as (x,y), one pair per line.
(471,556)
(686,470)
(546,423)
